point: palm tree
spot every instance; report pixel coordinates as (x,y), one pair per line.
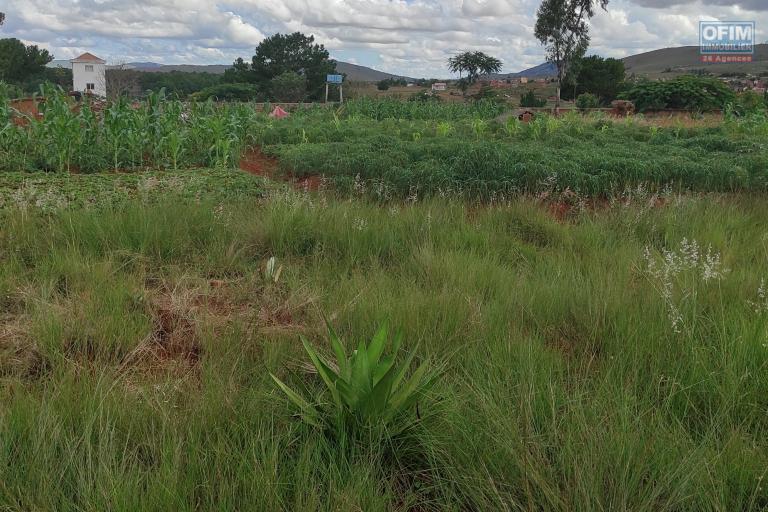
(473,64)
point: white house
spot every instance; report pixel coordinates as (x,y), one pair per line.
(89,75)
(439,86)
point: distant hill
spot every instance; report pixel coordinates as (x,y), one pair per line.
(353,71)
(545,70)
(357,73)
(654,64)
(657,63)
(686,58)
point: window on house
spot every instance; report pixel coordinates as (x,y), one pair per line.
(89,68)
(90,87)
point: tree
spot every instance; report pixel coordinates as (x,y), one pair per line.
(280,54)
(18,62)
(290,87)
(2,18)
(529,99)
(595,75)
(122,82)
(687,92)
(586,101)
(229,92)
(561,26)
(473,64)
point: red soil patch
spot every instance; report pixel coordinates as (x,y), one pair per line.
(257,163)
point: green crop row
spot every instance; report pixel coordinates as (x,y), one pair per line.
(156,133)
(59,191)
(601,167)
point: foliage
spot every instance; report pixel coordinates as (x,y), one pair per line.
(684,92)
(424,106)
(155,133)
(283,53)
(289,87)
(750,102)
(134,343)
(586,101)
(229,92)
(367,389)
(177,84)
(54,192)
(473,64)
(59,77)
(595,75)
(529,99)
(384,85)
(9,91)
(562,27)
(18,61)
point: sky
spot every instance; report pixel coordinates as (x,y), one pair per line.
(404,37)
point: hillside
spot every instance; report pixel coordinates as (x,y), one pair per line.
(687,58)
(654,64)
(541,71)
(358,73)
(354,72)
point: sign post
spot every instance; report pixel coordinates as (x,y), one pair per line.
(335,80)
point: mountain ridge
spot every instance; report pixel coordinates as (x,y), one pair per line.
(679,59)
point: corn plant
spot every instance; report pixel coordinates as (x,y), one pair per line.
(366,390)
(444,129)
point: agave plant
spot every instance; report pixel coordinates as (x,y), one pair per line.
(366,389)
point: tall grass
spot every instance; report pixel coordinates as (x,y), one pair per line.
(136,346)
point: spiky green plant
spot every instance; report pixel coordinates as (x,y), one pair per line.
(366,389)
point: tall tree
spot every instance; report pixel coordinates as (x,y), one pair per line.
(283,53)
(19,62)
(595,75)
(473,64)
(2,18)
(561,26)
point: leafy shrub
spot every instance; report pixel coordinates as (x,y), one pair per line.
(9,91)
(684,92)
(366,389)
(586,101)
(529,99)
(383,85)
(229,92)
(749,102)
(290,87)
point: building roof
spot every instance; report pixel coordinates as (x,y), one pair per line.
(88,57)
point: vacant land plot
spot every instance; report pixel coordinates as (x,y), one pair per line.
(588,295)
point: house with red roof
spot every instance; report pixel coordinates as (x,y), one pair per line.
(89,75)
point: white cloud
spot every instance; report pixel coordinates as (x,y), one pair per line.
(408,37)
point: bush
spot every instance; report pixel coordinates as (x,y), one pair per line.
(687,92)
(229,92)
(529,99)
(290,87)
(9,91)
(586,101)
(749,102)
(383,85)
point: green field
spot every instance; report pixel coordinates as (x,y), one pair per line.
(598,339)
